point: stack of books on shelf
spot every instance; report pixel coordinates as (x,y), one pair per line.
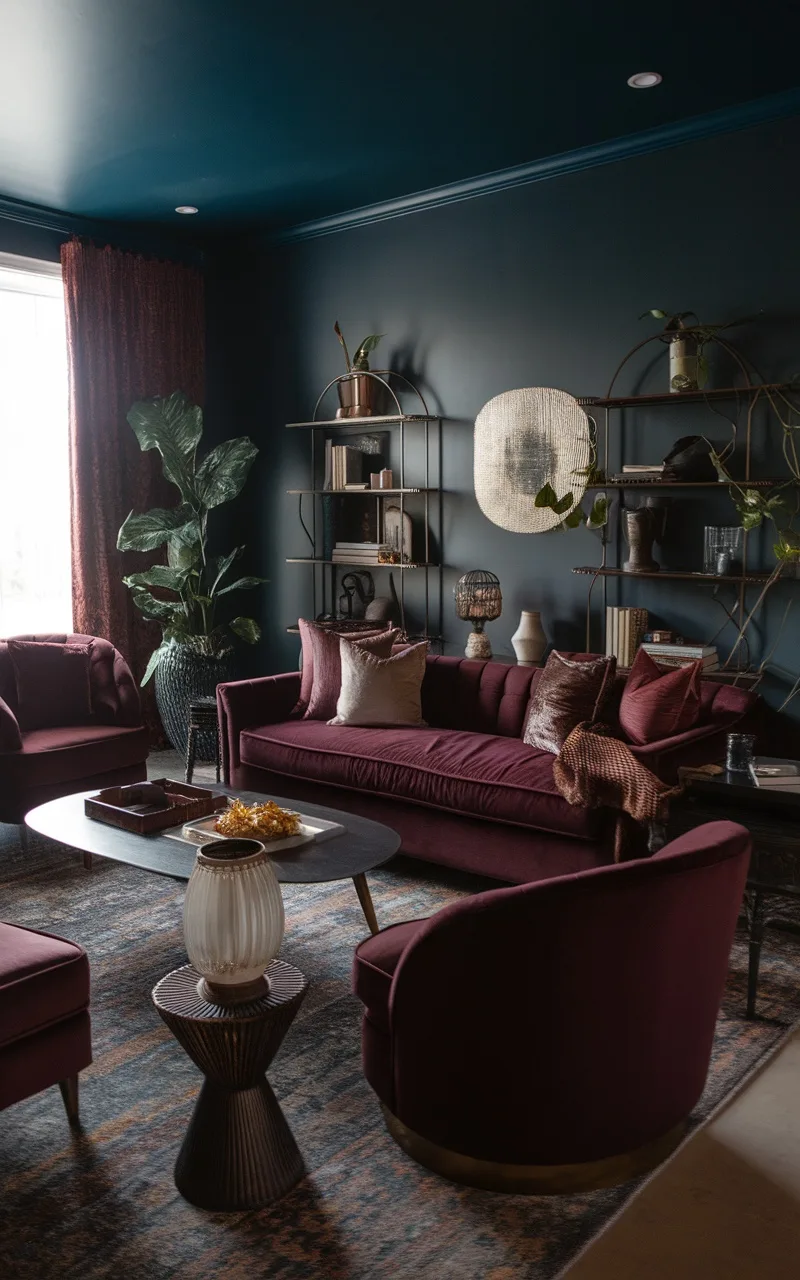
(680,655)
(364,553)
(624,631)
(776,775)
(343,466)
(643,471)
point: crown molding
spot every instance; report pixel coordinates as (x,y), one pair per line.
(745,115)
(33,215)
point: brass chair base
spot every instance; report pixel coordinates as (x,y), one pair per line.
(533,1179)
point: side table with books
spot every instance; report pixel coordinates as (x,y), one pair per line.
(770,810)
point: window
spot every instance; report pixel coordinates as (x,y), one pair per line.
(35,572)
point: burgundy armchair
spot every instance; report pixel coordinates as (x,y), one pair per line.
(555,1036)
(45,1032)
(107,745)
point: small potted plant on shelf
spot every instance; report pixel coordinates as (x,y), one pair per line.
(356,388)
(688,363)
(196,651)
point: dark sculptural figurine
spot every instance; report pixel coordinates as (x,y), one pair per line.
(641,527)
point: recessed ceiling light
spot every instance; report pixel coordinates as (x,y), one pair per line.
(644,80)
(190,208)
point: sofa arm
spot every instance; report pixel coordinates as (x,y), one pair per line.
(245,703)
(703,745)
(10,736)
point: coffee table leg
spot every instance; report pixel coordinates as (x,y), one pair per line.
(88,860)
(365,898)
(756,937)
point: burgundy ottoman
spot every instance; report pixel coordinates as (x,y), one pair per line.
(45,1032)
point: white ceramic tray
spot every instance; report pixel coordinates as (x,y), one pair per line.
(202,830)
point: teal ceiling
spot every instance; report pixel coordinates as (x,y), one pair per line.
(265,113)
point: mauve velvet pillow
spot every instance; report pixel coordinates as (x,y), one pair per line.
(659,702)
(568,693)
(53,686)
(308,630)
(325,646)
(381,692)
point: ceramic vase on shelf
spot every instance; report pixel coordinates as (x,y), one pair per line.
(640,527)
(232,920)
(684,363)
(529,640)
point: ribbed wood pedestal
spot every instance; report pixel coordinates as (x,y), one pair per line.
(239,1152)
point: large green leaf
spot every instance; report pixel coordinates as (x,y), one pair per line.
(223,471)
(219,566)
(185,547)
(243,584)
(598,516)
(160,610)
(155,659)
(160,575)
(174,426)
(152,529)
(574,520)
(564,504)
(247,629)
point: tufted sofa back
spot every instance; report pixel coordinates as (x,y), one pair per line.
(115,698)
(484,697)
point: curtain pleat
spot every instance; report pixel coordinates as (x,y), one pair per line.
(135,329)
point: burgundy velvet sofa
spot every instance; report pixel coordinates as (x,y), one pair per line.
(555,1036)
(45,1032)
(465,792)
(109,749)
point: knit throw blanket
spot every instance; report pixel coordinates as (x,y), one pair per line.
(595,770)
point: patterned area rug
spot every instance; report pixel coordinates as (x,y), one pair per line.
(104,1203)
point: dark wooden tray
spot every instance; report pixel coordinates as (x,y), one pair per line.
(187,803)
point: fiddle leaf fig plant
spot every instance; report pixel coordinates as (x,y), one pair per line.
(195,579)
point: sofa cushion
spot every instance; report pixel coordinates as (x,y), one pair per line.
(52,681)
(327,665)
(374,964)
(380,691)
(307,633)
(569,693)
(660,702)
(481,775)
(43,979)
(71,752)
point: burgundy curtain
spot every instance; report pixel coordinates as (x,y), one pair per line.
(135,328)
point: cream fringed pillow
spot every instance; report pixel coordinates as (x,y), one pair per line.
(381,691)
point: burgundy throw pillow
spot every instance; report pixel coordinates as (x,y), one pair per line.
(569,691)
(53,686)
(659,702)
(307,632)
(327,665)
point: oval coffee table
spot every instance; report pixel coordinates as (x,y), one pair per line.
(363,845)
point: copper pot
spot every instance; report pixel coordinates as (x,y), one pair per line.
(355,396)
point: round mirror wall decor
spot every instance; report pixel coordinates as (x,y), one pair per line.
(525,439)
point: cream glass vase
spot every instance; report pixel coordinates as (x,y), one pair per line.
(529,640)
(232,920)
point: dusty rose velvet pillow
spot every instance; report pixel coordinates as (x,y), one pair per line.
(569,691)
(53,685)
(327,664)
(381,691)
(308,632)
(657,702)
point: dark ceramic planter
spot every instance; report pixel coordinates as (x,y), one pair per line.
(181,675)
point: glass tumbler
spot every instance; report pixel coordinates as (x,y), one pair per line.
(739,755)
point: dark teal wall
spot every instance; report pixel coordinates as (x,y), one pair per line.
(538,285)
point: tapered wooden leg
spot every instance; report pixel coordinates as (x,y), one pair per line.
(365,898)
(23,837)
(88,861)
(69,1092)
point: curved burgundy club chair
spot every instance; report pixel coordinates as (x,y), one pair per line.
(45,1032)
(109,747)
(555,1036)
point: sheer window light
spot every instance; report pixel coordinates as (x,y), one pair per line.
(35,572)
